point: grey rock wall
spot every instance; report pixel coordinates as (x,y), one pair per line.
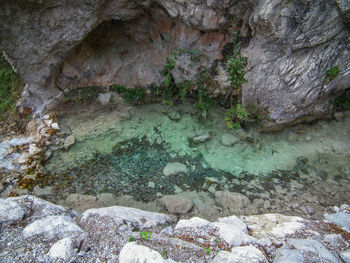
(290,45)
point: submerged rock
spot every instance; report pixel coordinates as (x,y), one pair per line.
(69,141)
(201,138)
(234,203)
(177,204)
(229,139)
(174,169)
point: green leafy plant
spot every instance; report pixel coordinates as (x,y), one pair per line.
(132,95)
(164,253)
(146,235)
(9,88)
(131,238)
(205,86)
(83,94)
(235,65)
(236,116)
(332,73)
(207,250)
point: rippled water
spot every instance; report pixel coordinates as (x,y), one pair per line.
(124,151)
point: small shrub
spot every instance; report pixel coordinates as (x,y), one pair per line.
(332,73)
(146,235)
(236,116)
(235,65)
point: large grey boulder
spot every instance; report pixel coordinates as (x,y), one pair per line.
(115,216)
(313,250)
(53,227)
(229,229)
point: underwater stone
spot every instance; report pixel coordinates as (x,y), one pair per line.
(82,202)
(174,115)
(174,169)
(69,141)
(177,204)
(201,138)
(229,139)
(235,203)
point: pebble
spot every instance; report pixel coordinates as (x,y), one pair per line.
(201,138)
(151,184)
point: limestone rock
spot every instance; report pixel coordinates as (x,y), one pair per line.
(273,225)
(284,255)
(313,250)
(235,203)
(69,141)
(119,215)
(341,219)
(10,211)
(134,253)
(52,227)
(229,229)
(345,255)
(174,169)
(335,241)
(37,207)
(228,139)
(245,254)
(177,204)
(62,250)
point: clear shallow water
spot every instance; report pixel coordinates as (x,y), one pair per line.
(124,150)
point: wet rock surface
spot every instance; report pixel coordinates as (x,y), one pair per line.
(122,234)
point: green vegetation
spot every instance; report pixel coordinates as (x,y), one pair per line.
(207,250)
(145,235)
(205,86)
(131,95)
(131,238)
(10,88)
(343,102)
(332,73)
(235,65)
(235,116)
(81,95)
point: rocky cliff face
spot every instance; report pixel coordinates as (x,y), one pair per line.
(290,45)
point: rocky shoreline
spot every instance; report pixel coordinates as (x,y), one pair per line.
(34,230)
